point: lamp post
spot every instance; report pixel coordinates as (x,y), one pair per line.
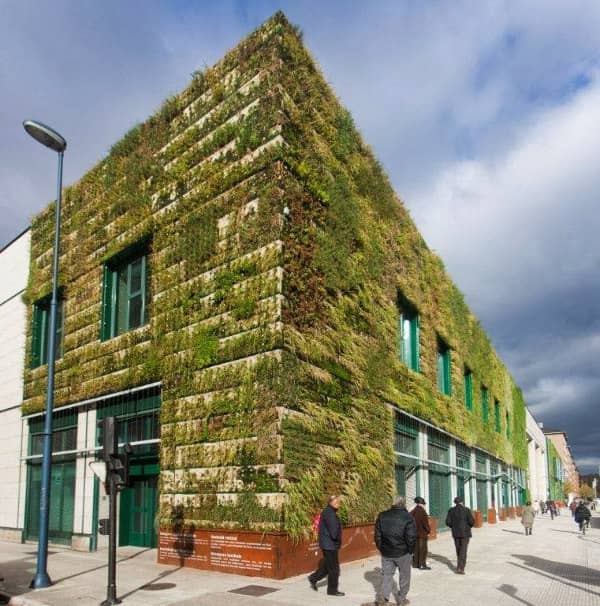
(50,138)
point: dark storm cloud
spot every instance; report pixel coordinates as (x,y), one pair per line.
(486,116)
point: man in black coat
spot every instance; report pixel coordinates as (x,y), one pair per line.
(460,521)
(395,537)
(330,541)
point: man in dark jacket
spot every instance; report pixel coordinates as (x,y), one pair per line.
(582,516)
(423,530)
(460,521)
(395,537)
(330,541)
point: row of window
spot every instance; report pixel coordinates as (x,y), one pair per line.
(124,305)
(408,330)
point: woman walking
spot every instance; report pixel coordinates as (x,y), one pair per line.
(527,517)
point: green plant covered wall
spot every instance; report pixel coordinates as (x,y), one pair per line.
(274,333)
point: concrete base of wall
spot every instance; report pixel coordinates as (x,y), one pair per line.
(273,555)
(14,535)
(81,542)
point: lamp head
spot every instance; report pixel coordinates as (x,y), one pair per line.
(45,135)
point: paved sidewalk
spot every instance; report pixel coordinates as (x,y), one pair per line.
(553,566)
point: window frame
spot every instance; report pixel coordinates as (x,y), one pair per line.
(468,388)
(112,272)
(497,419)
(444,367)
(40,331)
(408,313)
(485,404)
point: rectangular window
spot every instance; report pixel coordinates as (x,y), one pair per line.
(40,332)
(497,416)
(124,295)
(443,368)
(485,405)
(408,331)
(468,389)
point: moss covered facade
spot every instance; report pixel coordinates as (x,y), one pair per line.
(279,261)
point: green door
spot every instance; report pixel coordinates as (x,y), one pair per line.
(482,502)
(138,510)
(439,496)
(62,502)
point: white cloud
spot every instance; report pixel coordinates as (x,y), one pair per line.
(526,223)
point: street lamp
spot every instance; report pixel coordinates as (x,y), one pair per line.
(50,138)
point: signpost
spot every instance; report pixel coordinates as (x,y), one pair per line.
(113,472)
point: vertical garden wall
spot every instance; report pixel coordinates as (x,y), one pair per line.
(279,260)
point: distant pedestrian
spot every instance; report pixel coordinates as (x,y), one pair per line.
(460,521)
(582,516)
(395,537)
(543,507)
(527,517)
(536,508)
(573,507)
(330,541)
(550,505)
(422,523)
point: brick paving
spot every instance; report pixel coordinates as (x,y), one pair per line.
(555,566)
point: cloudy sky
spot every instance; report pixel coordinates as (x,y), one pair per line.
(486,116)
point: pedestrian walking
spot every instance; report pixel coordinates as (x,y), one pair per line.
(582,516)
(330,541)
(543,507)
(550,506)
(395,537)
(573,507)
(460,521)
(536,508)
(422,523)
(527,518)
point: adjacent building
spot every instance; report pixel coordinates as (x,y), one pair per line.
(14,269)
(243,290)
(569,475)
(537,460)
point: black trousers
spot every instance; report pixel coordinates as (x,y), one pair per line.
(328,567)
(420,555)
(461,545)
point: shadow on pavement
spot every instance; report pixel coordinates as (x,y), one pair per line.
(442,560)
(511,591)
(514,532)
(375,577)
(153,585)
(564,573)
(119,560)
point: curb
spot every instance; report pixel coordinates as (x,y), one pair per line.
(20,601)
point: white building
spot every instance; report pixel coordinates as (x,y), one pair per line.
(537,474)
(14,269)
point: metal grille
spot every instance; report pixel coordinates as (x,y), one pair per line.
(439,475)
(463,471)
(406,438)
(138,417)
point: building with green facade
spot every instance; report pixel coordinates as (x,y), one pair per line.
(244,290)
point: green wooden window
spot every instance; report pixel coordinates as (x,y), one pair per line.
(443,369)
(497,426)
(408,330)
(125,294)
(40,332)
(485,405)
(468,389)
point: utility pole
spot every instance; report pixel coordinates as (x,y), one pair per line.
(115,474)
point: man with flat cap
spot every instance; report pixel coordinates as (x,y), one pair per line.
(330,542)
(422,523)
(460,521)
